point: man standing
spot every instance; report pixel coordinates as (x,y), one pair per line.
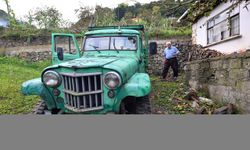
(170,55)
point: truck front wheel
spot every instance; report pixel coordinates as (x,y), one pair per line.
(42,109)
(142,105)
(136,105)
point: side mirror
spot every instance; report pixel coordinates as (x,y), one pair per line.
(59,51)
(153,48)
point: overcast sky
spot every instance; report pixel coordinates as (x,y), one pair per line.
(21,7)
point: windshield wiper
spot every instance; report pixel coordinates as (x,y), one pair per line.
(95,47)
(115,46)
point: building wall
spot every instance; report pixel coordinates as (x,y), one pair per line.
(3,23)
(224,78)
(199,35)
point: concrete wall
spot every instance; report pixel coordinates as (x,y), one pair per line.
(225,78)
(240,43)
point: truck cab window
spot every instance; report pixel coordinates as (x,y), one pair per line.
(67,43)
(110,43)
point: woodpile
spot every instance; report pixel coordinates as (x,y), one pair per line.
(197,52)
(190,102)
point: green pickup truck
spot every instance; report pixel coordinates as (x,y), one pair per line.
(106,74)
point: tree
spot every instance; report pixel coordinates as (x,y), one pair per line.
(11,14)
(85,15)
(121,10)
(84,12)
(103,16)
(156,16)
(47,17)
(29,19)
(99,16)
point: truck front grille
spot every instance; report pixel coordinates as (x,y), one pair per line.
(83,92)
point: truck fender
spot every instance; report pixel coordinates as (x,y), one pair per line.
(138,85)
(36,87)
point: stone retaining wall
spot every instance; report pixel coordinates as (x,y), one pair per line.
(40,49)
(30,53)
(21,42)
(156,61)
(224,78)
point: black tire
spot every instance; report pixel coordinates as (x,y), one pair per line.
(142,105)
(123,109)
(40,108)
(132,105)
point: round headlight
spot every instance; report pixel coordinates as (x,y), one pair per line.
(112,80)
(51,79)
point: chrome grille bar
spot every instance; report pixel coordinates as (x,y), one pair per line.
(83,92)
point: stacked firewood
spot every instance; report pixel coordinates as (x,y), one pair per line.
(197,52)
(203,54)
(190,102)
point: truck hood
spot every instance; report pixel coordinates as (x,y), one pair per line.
(86,62)
(125,66)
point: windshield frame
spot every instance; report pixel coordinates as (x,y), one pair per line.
(110,42)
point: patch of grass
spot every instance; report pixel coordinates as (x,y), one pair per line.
(171,33)
(163,93)
(13,73)
(170,97)
(2,51)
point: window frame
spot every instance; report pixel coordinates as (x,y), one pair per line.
(86,37)
(70,42)
(234,16)
(228,19)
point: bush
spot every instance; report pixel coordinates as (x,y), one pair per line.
(170,33)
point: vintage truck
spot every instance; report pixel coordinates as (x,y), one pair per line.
(106,74)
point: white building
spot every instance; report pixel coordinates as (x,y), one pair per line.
(3,19)
(3,22)
(226,29)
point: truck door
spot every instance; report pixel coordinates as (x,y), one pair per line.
(64,48)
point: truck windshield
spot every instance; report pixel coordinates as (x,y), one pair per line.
(111,43)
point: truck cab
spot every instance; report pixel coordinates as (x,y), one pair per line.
(105,74)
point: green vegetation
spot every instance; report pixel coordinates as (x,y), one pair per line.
(199,9)
(204,9)
(172,98)
(171,32)
(159,18)
(46,19)
(13,73)
(163,94)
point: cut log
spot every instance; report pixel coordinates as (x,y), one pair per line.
(192,96)
(231,108)
(221,110)
(201,111)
